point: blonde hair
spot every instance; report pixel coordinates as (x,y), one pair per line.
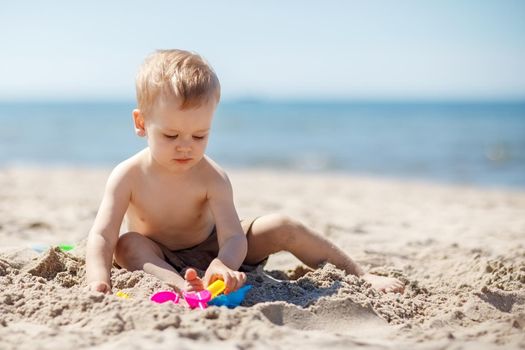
(176,73)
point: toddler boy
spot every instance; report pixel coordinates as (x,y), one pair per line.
(178,202)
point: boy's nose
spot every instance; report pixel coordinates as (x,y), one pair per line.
(182,148)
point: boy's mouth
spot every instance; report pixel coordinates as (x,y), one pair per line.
(182,160)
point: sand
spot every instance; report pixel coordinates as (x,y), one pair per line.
(459,250)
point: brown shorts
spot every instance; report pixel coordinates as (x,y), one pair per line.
(201,255)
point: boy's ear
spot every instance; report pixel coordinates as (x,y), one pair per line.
(138,120)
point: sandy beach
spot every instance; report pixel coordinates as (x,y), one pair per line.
(460,251)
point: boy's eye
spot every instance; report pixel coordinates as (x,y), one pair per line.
(199,137)
(172,137)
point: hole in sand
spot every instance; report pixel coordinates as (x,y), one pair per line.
(500,300)
(292,274)
(335,316)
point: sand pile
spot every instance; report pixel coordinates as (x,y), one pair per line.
(44,296)
(464,269)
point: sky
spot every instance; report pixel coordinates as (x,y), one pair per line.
(326,49)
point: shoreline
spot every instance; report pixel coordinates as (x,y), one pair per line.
(332,173)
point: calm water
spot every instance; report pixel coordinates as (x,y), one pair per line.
(481,144)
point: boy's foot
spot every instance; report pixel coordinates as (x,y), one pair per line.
(193,282)
(384,284)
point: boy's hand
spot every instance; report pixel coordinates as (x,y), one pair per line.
(192,282)
(232,279)
(99,286)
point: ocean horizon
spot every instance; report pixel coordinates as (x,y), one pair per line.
(461,142)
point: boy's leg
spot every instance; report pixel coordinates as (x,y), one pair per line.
(136,252)
(273,233)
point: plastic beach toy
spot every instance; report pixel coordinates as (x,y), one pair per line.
(232,299)
(122,295)
(216,288)
(39,248)
(199,299)
(209,296)
(165,296)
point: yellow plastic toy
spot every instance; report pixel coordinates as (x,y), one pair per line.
(121,294)
(216,288)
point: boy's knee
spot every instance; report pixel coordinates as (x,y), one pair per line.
(286,223)
(124,246)
(129,245)
(286,229)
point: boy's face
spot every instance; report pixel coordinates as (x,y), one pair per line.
(177,138)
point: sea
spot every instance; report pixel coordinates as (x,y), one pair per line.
(471,143)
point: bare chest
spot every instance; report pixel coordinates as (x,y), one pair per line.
(169,208)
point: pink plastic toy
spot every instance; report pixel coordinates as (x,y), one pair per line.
(164,296)
(199,299)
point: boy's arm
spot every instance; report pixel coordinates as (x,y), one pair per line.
(233,245)
(104,233)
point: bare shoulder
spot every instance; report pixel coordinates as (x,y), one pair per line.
(125,173)
(216,178)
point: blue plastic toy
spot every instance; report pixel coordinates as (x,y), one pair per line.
(232,299)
